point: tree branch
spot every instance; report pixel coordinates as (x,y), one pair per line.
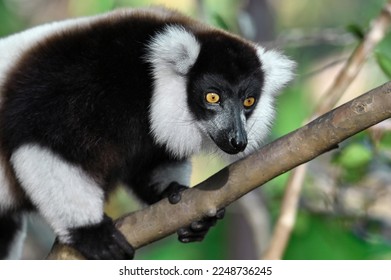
(229,184)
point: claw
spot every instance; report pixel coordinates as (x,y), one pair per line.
(183,231)
(198,225)
(173,192)
(174,198)
(197,230)
(220,213)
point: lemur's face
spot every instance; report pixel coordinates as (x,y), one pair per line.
(222,108)
(224,87)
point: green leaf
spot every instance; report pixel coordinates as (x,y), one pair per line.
(220,22)
(385,141)
(356,30)
(384,62)
(354,156)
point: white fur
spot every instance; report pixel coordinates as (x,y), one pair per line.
(172,53)
(258,125)
(166,174)
(62,192)
(278,70)
(174,50)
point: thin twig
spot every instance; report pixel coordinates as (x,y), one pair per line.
(257,215)
(375,34)
(297,38)
(287,217)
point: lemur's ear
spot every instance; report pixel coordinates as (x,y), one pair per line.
(173,49)
(278,70)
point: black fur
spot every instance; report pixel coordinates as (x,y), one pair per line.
(111,245)
(9,226)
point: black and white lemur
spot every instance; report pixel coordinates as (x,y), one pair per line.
(124,97)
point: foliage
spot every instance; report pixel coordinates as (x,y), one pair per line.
(384,61)
(329,238)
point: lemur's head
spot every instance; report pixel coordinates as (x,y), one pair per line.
(213,91)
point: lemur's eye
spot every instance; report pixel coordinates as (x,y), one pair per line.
(248,102)
(212,97)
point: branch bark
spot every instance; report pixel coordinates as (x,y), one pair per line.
(162,219)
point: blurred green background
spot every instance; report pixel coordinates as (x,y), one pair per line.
(345,207)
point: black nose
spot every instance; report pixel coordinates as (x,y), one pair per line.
(239,144)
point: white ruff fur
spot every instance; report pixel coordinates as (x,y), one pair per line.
(277,68)
(64,195)
(172,53)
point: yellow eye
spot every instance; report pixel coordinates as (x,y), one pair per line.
(248,102)
(212,97)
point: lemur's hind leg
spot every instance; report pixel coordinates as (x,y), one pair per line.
(71,201)
(12,235)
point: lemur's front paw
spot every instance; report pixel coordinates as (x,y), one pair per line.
(197,231)
(173,192)
(101,242)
